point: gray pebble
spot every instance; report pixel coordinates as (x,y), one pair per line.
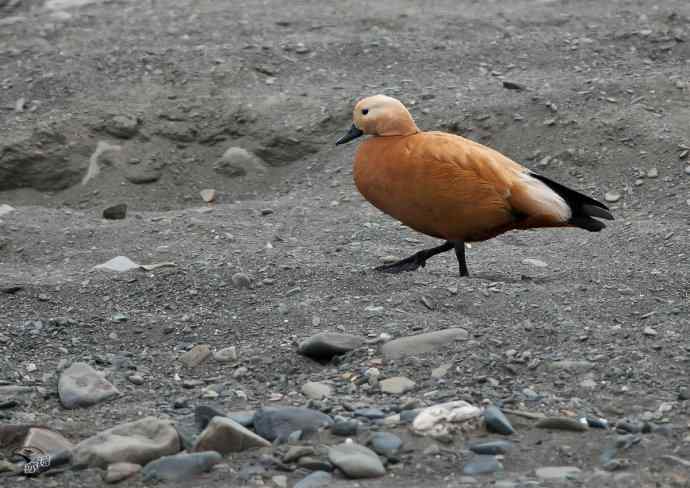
(491,447)
(317,479)
(356,461)
(496,421)
(116,212)
(482,465)
(325,345)
(280,422)
(241,280)
(385,443)
(345,428)
(181,466)
(408,416)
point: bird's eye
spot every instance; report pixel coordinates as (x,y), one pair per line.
(365,111)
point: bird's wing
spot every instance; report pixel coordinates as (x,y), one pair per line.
(527,197)
(470,199)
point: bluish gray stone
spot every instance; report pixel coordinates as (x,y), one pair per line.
(325,345)
(369,413)
(482,465)
(279,422)
(496,421)
(385,443)
(181,466)
(408,416)
(557,473)
(356,461)
(423,343)
(562,423)
(203,414)
(345,428)
(317,479)
(242,418)
(82,386)
(597,423)
(491,447)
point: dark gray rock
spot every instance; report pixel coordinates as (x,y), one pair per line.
(629,427)
(496,421)
(116,212)
(597,423)
(345,428)
(181,466)
(317,479)
(279,422)
(490,447)
(562,423)
(511,85)
(385,443)
(245,419)
(369,413)
(203,415)
(408,416)
(325,345)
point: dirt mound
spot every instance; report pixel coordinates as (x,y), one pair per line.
(176,148)
(45,161)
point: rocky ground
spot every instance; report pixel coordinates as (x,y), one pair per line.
(149,103)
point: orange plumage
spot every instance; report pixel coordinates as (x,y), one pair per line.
(452,188)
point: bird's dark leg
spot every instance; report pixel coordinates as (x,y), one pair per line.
(416,260)
(462,262)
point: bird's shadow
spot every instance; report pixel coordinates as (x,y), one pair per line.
(490,277)
(522,278)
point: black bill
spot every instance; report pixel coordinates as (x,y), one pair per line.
(353,133)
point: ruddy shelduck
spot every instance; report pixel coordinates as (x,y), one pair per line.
(452,188)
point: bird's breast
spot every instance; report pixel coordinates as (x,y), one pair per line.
(413,180)
(388,176)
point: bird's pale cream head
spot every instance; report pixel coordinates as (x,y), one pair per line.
(380,115)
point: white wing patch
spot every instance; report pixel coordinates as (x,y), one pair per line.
(544,200)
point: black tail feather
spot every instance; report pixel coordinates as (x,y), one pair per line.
(593,211)
(587,223)
(584,208)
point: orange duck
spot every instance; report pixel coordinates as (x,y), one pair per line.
(453,188)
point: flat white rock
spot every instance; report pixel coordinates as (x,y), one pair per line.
(5,209)
(119,264)
(437,420)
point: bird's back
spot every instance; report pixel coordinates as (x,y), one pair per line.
(439,184)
